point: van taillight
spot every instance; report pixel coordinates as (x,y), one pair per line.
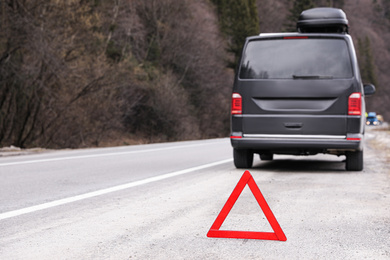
(355,104)
(236,104)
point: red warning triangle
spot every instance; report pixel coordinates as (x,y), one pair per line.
(215,228)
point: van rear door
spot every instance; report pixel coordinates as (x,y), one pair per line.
(296,85)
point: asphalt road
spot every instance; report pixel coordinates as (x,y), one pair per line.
(159,201)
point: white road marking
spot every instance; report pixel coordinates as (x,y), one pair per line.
(60,202)
(104,154)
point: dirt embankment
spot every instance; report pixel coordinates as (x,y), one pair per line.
(379,138)
(13,150)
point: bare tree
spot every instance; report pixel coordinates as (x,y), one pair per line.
(79,73)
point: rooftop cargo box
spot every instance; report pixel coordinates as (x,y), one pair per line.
(323,20)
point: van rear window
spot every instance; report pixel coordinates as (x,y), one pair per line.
(296,59)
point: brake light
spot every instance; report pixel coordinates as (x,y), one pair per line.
(236,104)
(295,37)
(355,104)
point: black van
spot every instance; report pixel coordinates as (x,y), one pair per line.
(300,93)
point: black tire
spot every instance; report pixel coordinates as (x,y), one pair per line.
(354,161)
(266,156)
(243,158)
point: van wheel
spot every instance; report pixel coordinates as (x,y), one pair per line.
(354,161)
(266,156)
(243,158)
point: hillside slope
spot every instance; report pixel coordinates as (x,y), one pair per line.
(103,73)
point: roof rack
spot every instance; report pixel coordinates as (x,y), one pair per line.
(323,20)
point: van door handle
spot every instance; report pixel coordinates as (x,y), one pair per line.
(293,125)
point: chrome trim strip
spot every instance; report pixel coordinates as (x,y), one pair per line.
(295,136)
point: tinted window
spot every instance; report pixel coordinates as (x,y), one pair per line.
(296,58)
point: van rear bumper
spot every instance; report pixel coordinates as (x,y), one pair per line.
(351,142)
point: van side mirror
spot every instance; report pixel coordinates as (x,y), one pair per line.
(369,89)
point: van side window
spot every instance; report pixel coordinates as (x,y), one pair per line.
(296,58)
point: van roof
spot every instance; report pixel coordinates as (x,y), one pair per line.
(297,34)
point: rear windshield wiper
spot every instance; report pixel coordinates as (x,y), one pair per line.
(311,77)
